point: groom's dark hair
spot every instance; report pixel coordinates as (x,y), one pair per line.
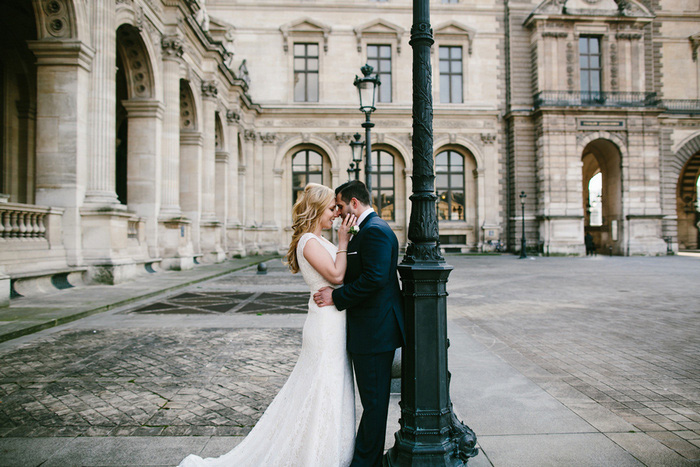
(353,189)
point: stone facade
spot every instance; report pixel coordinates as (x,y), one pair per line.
(190,151)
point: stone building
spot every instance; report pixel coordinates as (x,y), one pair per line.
(140,135)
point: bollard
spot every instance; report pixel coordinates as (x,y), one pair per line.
(262,268)
(610,250)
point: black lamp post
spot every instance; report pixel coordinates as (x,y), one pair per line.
(522,237)
(356,147)
(430,434)
(367,88)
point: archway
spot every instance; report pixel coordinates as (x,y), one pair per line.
(457,205)
(687,205)
(602,196)
(135,121)
(18,90)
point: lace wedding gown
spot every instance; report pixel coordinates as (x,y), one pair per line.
(311,421)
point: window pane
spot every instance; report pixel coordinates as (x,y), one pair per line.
(441,159)
(444,88)
(299,49)
(312,50)
(299,64)
(385,91)
(441,181)
(387,159)
(456,66)
(583,45)
(456,162)
(387,180)
(595,61)
(315,178)
(315,158)
(372,51)
(595,82)
(312,64)
(298,180)
(455,53)
(456,89)
(385,51)
(444,66)
(456,181)
(313,87)
(444,52)
(593,45)
(299,87)
(457,211)
(584,61)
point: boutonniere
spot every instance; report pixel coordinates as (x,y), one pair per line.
(354,230)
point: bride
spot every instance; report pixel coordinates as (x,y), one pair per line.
(311,422)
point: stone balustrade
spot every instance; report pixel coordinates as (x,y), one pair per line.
(19,222)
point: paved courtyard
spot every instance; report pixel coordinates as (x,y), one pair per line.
(593,359)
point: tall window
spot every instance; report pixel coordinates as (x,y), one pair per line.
(305,72)
(449,171)
(379,57)
(590,64)
(450,74)
(307,167)
(450,1)
(383,184)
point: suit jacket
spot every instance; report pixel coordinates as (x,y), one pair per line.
(371,293)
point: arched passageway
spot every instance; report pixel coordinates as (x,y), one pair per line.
(687,205)
(17,102)
(602,196)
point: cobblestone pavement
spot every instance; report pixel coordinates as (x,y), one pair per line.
(617,333)
(622,332)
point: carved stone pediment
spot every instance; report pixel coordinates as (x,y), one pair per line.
(379,28)
(457,31)
(609,8)
(305,27)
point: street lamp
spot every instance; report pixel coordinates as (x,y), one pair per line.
(367,89)
(430,434)
(356,147)
(522,237)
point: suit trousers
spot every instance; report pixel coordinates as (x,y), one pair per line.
(373,376)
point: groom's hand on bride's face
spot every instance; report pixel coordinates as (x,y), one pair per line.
(324,297)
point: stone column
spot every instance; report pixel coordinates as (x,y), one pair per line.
(144,173)
(209,93)
(269,197)
(191,182)
(247,211)
(172,53)
(63,72)
(234,231)
(222,187)
(102,123)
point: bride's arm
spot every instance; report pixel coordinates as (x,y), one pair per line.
(332,269)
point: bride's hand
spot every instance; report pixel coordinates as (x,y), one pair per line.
(344,230)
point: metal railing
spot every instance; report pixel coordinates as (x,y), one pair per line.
(680,105)
(595,99)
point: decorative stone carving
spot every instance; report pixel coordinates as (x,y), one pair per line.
(233,116)
(306,137)
(187,116)
(172,46)
(379,28)
(268,138)
(209,89)
(56,20)
(694,44)
(488,138)
(249,135)
(613,66)
(136,67)
(343,138)
(304,27)
(555,34)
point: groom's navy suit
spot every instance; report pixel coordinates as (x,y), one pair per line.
(375,327)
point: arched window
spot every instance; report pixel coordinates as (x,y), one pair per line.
(449,184)
(383,184)
(307,167)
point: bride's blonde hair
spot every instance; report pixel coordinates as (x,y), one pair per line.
(306,214)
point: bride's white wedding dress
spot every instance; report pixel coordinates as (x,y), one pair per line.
(311,422)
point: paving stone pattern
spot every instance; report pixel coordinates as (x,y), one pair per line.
(237,302)
(622,332)
(136,382)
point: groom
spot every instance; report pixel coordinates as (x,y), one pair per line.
(372,297)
